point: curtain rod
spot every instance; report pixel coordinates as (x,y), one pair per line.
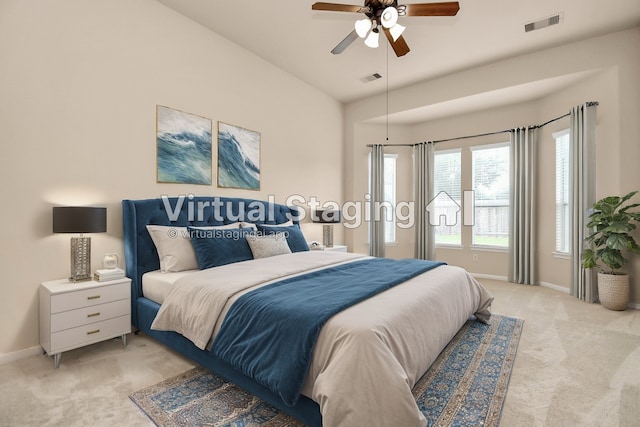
(392,145)
(552,120)
(588,104)
(471,136)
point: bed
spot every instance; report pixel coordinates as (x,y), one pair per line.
(365,358)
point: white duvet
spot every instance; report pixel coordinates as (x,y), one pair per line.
(367,357)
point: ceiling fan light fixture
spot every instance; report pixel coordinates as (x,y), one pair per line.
(396,31)
(389,17)
(363,26)
(373,39)
(384,15)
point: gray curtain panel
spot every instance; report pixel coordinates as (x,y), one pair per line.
(522,209)
(376,225)
(423,194)
(582,142)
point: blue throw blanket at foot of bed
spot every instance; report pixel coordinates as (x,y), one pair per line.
(269,333)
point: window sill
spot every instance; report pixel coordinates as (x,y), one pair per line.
(445,246)
(562,255)
(489,248)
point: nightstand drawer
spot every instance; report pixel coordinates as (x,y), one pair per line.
(88,297)
(84,316)
(88,334)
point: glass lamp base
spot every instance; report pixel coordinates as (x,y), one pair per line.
(80,259)
(327,235)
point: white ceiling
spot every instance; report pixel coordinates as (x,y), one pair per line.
(288,34)
(497,98)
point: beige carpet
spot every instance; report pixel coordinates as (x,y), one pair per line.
(467,383)
(577,365)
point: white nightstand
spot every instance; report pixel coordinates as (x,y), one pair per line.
(336,248)
(74,315)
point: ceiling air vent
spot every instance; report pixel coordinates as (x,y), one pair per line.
(545,22)
(371,77)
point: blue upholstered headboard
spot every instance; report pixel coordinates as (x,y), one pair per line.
(140,253)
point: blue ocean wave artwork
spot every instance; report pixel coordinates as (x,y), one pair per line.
(184,147)
(238,157)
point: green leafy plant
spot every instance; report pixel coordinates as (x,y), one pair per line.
(612,223)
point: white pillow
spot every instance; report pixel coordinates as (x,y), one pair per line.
(174,247)
(268,245)
(252,225)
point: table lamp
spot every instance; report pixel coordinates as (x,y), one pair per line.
(328,217)
(80,219)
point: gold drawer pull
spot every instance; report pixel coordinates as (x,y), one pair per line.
(93,332)
(94,297)
(93,314)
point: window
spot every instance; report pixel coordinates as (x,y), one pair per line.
(390,197)
(388,212)
(490,168)
(447,201)
(562,191)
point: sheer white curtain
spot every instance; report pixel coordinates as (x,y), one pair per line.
(423,194)
(582,143)
(376,225)
(522,209)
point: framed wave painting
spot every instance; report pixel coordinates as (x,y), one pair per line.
(238,157)
(184,147)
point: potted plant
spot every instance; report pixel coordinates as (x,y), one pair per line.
(612,224)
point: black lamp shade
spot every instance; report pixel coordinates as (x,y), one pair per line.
(327,216)
(79,219)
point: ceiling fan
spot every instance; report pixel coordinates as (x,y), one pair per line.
(383,15)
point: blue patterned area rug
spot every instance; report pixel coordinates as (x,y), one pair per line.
(465,386)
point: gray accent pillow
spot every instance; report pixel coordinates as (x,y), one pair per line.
(263,246)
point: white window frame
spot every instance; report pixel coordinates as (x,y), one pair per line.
(488,247)
(390,223)
(562,222)
(459,214)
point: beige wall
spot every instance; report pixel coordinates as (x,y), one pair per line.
(357,237)
(608,67)
(602,86)
(489,262)
(79,85)
(80,81)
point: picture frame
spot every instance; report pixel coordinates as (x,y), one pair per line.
(184,144)
(238,157)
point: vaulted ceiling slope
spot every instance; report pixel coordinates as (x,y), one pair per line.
(288,34)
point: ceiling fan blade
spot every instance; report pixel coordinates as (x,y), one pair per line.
(400,46)
(433,9)
(340,47)
(333,7)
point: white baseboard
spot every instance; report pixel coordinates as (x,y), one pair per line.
(504,279)
(21,354)
(543,284)
(489,276)
(555,287)
(567,291)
